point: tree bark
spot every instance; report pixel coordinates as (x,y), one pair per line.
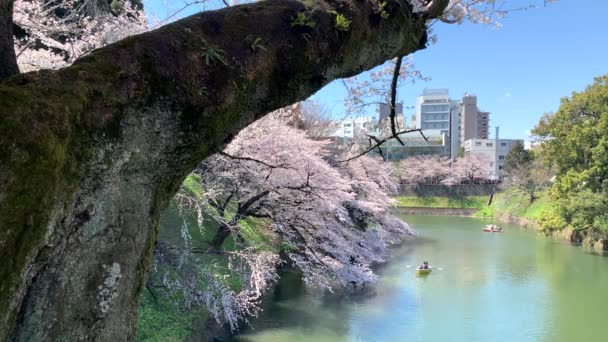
(8,61)
(90,154)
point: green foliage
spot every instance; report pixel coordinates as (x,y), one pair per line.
(460,152)
(574,140)
(302,20)
(116,6)
(213,54)
(550,220)
(383,12)
(342,23)
(583,210)
(256,43)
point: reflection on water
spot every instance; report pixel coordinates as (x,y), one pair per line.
(512,286)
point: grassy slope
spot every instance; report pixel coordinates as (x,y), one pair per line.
(161,319)
(515,203)
(508,203)
(478,202)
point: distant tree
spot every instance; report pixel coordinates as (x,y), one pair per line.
(316,120)
(529,176)
(460,152)
(518,156)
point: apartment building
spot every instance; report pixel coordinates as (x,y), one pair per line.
(493,150)
(474,124)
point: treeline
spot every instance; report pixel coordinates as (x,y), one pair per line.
(574,142)
(568,165)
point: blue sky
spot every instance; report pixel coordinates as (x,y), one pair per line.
(518,72)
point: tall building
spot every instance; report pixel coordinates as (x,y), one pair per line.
(454,134)
(474,124)
(433,110)
(384,110)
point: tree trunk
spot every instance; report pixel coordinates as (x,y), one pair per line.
(220,236)
(90,154)
(8,61)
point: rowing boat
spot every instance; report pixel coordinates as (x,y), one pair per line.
(423,271)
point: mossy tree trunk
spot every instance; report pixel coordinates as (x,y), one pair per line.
(90,154)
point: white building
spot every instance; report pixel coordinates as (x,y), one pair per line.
(433,109)
(494,150)
(437,115)
(349,128)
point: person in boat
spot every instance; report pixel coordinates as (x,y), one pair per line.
(425,265)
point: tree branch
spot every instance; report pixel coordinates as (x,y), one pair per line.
(394,84)
(251,159)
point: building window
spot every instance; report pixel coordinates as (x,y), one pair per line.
(489,144)
(478,143)
(503,144)
(346,125)
(500,167)
(501,157)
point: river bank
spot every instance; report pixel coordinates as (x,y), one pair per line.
(511,207)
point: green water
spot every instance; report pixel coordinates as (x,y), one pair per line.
(512,286)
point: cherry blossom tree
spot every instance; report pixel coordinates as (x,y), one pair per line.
(324,214)
(333,219)
(53,34)
(424,169)
(434,169)
(469,168)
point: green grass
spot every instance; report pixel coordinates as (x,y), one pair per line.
(256,233)
(474,202)
(192,185)
(164,320)
(516,203)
